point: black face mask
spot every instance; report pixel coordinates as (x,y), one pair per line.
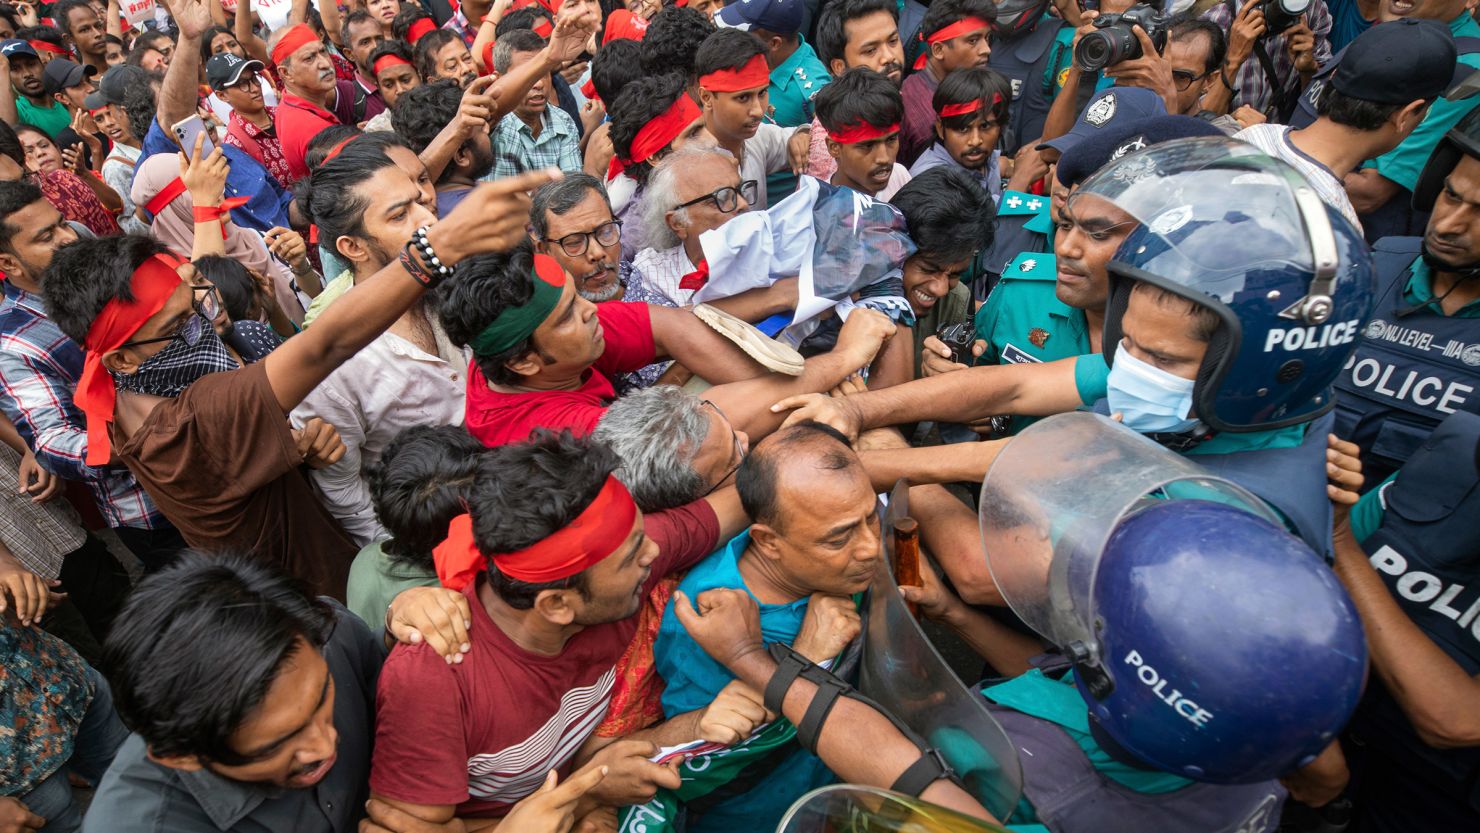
(173,369)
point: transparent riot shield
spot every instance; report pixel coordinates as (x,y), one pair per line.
(848,808)
(903,673)
(1051,499)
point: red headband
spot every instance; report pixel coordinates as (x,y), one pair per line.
(385,62)
(968,107)
(166,195)
(421,27)
(862,132)
(294,38)
(334,151)
(754,74)
(151,285)
(543,28)
(945,33)
(623,24)
(661,131)
(595,534)
(48,47)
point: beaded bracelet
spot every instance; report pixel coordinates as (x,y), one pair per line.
(429,258)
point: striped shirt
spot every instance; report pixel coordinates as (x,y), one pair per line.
(1274,139)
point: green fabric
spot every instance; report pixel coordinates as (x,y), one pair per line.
(515,324)
(1092,378)
(703,774)
(1403,163)
(1366,515)
(332,291)
(793,84)
(1420,290)
(53,118)
(375,579)
(956,306)
(1059,702)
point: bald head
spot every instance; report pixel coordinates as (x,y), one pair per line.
(789,461)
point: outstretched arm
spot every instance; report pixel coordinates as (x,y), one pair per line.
(177,98)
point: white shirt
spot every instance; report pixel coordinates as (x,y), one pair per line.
(390,385)
(765,154)
(1274,139)
(661,272)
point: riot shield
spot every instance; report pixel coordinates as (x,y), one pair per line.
(903,673)
(1053,496)
(849,808)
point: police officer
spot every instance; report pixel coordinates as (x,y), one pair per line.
(1022,42)
(796,73)
(1411,561)
(1418,361)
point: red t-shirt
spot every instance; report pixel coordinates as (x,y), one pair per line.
(297,122)
(499,418)
(482,734)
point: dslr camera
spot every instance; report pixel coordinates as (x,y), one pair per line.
(1114,40)
(1280,15)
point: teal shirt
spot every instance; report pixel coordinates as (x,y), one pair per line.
(1366,515)
(793,84)
(375,579)
(1420,290)
(1059,702)
(1061,56)
(1403,163)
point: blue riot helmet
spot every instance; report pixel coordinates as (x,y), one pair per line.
(1240,233)
(1233,652)
(1462,140)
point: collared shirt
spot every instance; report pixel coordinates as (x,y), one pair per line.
(1420,291)
(39,369)
(1274,139)
(391,384)
(45,689)
(138,795)
(459,24)
(990,177)
(297,122)
(516,149)
(1253,84)
(1403,163)
(40,535)
(794,82)
(267,202)
(118,172)
(661,274)
(260,143)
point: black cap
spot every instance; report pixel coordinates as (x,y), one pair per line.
(226,69)
(1397,62)
(61,73)
(1082,160)
(112,85)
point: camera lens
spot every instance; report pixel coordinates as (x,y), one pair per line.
(1107,47)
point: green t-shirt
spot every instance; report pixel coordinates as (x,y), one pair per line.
(1366,515)
(375,579)
(53,118)
(1403,163)
(1420,290)
(1059,702)
(333,290)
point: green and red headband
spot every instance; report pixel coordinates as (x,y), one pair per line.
(515,324)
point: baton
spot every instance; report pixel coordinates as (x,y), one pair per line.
(907,557)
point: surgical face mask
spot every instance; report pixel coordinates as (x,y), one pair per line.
(194,353)
(1149,399)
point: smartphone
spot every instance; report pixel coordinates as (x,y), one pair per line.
(185,132)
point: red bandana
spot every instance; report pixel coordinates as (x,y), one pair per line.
(385,62)
(176,187)
(43,46)
(697,278)
(295,38)
(968,107)
(419,29)
(753,75)
(659,133)
(945,33)
(151,285)
(862,132)
(592,536)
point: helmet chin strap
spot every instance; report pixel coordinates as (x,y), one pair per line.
(1182,440)
(1462,274)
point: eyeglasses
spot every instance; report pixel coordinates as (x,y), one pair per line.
(739,449)
(247,79)
(577,243)
(206,303)
(1184,79)
(725,198)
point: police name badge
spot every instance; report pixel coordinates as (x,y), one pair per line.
(1016,355)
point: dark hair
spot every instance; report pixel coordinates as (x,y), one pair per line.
(949,214)
(151,37)
(329,196)
(640,102)
(614,66)
(672,38)
(31,128)
(526,492)
(400,24)
(426,51)
(831,37)
(10,144)
(49,34)
(198,645)
(62,12)
(858,95)
(422,112)
(726,49)
(319,146)
(480,289)
(1184,27)
(233,283)
(208,37)
(988,86)
(421,482)
(517,19)
(392,47)
(943,13)
(11,16)
(15,196)
(561,196)
(1205,321)
(139,106)
(362,16)
(757,477)
(1356,113)
(86,275)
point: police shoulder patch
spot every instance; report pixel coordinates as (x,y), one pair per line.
(1016,203)
(1031,266)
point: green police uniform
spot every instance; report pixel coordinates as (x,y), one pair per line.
(1023,226)
(793,84)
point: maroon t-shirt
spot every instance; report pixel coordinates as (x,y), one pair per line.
(483,734)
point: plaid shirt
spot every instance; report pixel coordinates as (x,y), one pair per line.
(1253,84)
(458,23)
(39,535)
(516,150)
(39,369)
